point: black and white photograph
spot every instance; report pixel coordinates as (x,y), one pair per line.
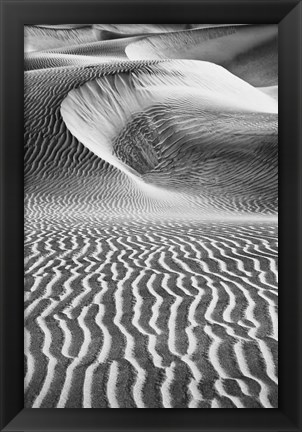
(151,215)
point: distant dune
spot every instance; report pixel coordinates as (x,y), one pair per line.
(248,51)
(37,38)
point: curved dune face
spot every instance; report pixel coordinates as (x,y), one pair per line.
(248,51)
(183,126)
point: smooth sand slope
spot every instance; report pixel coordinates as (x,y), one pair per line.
(248,51)
(150,233)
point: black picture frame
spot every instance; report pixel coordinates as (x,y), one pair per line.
(288,15)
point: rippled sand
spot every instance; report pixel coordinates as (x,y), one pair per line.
(151,216)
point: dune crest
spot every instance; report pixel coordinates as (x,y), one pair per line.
(173,126)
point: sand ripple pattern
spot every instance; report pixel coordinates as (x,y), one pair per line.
(152,315)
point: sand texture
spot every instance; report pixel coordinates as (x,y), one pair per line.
(151,204)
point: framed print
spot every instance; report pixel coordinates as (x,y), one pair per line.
(151,215)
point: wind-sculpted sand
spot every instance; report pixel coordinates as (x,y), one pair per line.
(150,226)
(249,52)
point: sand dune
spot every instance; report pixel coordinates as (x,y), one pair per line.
(78,55)
(151,239)
(116,31)
(49,36)
(248,51)
(131,29)
(271,91)
(48,60)
(63,26)
(37,38)
(181,152)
